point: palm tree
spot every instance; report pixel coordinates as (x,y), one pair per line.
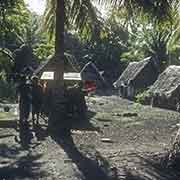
(58,97)
(59,40)
(84,16)
(80,11)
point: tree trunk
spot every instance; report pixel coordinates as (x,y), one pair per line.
(59,40)
(57,116)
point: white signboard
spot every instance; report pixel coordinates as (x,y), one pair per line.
(47,76)
(72,76)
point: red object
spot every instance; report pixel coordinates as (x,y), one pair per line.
(89,86)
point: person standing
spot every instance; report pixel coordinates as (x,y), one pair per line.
(24,100)
(37,99)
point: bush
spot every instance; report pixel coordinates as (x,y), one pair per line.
(143,97)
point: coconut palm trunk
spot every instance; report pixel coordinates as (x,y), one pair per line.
(59,40)
(58,111)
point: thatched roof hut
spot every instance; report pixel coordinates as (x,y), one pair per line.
(91,73)
(70,65)
(141,75)
(166,88)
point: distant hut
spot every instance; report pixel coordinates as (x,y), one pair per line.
(138,75)
(46,69)
(91,73)
(165,92)
(70,65)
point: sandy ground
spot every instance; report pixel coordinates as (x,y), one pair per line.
(121,140)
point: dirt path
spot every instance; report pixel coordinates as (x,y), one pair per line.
(122,140)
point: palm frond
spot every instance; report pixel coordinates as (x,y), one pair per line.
(7,53)
(85,17)
(80,14)
(49,18)
(160,9)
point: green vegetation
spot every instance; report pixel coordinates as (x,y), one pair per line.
(111,42)
(141,97)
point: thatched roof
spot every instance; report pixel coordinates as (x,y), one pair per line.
(167,82)
(139,73)
(70,65)
(91,72)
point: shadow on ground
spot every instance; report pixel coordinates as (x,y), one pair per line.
(97,167)
(90,167)
(84,124)
(8,124)
(151,169)
(40,132)
(18,165)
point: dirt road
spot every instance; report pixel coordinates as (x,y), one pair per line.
(121,140)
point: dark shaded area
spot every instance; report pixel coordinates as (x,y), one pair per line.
(152,168)
(23,59)
(81,123)
(8,124)
(91,73)
(9,152)
(40,132)
(91,167)
(26,166)
(25,135)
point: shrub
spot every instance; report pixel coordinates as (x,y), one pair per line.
(143,97)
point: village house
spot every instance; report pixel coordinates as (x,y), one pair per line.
(137,76)
(165,92)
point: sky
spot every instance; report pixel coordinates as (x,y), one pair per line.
(103,9)
(36,6)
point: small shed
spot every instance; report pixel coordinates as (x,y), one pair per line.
(165,92)
(137,75)
(91,73)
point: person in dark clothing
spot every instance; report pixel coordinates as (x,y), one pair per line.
(37,99)
(24,96)
(24,100)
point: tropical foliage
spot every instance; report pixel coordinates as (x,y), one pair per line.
(81,16)
(111,41)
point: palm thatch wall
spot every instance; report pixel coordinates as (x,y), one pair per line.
(166,89)
(141,74)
